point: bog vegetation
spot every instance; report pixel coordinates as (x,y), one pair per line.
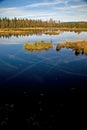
(79,46)
(38,46)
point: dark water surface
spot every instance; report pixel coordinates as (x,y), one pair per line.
(46,68)
(44,78)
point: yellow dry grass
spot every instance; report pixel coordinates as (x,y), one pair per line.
(79,46)
(38,46)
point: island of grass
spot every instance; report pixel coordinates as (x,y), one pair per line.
(38,46)
(79,46)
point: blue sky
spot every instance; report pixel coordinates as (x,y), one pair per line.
(63,10)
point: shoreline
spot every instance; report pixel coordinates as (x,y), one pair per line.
(42,28)
(38,30)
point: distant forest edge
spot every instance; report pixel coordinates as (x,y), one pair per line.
(29,23)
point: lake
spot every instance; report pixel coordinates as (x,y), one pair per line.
(23,72)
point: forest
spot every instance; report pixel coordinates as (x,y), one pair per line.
(29,23)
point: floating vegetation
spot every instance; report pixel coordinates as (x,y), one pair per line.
(79,46)
(38,46)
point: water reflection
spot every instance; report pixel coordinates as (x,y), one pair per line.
(36,50)
(77,31)
(20,33)
(30,32)
(18,66)
(81,51)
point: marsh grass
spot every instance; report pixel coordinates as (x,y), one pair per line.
(38,31)
(79,46)
(38,46)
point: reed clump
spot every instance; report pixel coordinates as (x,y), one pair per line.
(38,46)
(79,46)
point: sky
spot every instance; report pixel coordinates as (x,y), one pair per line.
(63,10)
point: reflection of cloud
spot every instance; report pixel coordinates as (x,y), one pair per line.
(72,73)
(8,64)
(11,56)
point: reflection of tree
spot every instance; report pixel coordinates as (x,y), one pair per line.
(78,31)
(58,48)
(37,50)
(26,32)
(82,51)
(77,52)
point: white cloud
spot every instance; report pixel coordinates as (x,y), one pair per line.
(19,13)
(47,3)
(71,7)
(63,13)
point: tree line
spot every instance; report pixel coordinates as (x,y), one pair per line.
(26,23)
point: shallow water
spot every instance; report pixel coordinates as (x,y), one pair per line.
(21,70)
